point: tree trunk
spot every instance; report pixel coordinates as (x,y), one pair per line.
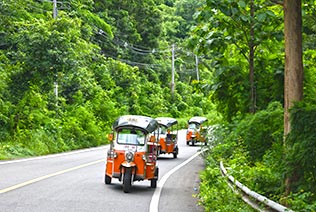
(293,76)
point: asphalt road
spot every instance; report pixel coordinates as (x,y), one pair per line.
(75,182)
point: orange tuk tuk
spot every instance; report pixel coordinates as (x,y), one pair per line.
(196,132)
(133,151)
(168,136)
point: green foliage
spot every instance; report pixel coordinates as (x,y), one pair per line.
(215,194)
(253,157)
(309,76)
(5,105)
(224,33)
(9,150)
(256,156)
(259,132)
(302,201)
(255,134)
(252,144)
(80,51)
(264,177)
(31,112)
(300,145)
(96,21)
(230,92)
(81,128)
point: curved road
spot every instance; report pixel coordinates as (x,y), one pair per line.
(75,182)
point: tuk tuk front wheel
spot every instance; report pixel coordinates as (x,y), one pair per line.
(175,153)
(153,183)
(192,143)
(107,179)
(127,180)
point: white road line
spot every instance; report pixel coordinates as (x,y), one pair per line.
(48,176)
(51,156)
(154,203)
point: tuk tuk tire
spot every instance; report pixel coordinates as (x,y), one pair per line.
(127,181)
(153,183)
(107,179)
(175,153)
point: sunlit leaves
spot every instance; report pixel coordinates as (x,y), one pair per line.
(96,21)
(224,34)
(252,148)
(300,158)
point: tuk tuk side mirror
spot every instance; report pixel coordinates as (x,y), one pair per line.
(110,137)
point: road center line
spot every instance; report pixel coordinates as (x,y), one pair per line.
(154,203)
(48,176)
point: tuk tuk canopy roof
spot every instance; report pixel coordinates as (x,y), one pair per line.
(146,123)
(197,119)
(166,121)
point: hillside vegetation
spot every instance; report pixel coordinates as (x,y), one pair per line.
(64,79)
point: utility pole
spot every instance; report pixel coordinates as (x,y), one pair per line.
(56,75)
(54,9)
(172,72)
(197,68)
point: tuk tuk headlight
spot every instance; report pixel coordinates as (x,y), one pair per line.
(112,154)
(129,156)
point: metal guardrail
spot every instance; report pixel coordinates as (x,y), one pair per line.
(259,198)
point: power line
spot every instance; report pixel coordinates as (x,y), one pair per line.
(131,62)
(132,47)
(137,63)
(124,44)
(135,49)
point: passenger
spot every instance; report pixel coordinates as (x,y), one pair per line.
(169,136)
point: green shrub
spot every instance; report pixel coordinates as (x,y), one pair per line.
(215,194)
(302,201)
(253,149)
(301,152)
(10,150)
(260,131)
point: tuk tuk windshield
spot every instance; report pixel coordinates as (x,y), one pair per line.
(194,126)
(131,137)
(162,129)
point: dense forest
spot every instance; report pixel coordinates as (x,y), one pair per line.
(69,68)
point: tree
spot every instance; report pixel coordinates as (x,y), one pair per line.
(236,34)
(293,78)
